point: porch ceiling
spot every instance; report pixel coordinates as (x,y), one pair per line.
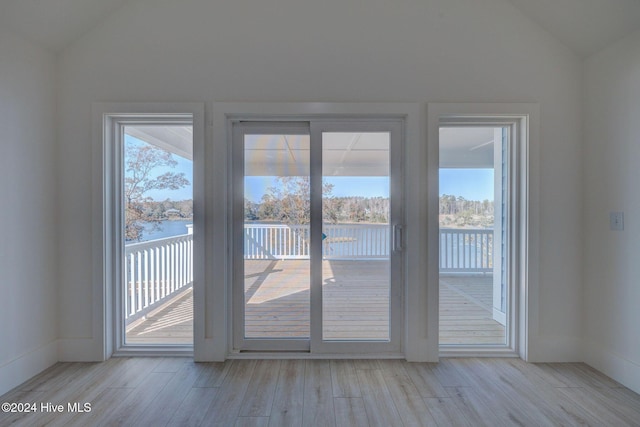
(466,147)
(175,139)
(344,154)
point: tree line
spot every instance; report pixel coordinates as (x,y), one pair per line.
(296,210)
(460,212)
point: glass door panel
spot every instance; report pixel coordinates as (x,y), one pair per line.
(275,244)
(356,236)
(157,176)
(473,236)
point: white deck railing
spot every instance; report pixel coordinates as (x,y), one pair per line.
(461,250)
(466,251)
(346,241)
(156,270)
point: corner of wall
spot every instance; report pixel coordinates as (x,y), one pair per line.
(27,365)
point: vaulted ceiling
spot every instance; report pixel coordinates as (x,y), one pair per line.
(54,24)
(585,26)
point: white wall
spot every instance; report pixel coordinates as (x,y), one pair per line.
(612,178)
(28,273)
(331,50)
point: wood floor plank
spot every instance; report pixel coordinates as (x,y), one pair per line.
(51,378)
(425,380)
(136,402)
(171,364)
(408,401)
(213,374)
(473,404)
(169,399)
(448,375)
(252,422)
(318,407)
(20,418)
(446,413)
(508,396)
(535,373)
(258,399)
(74,385)
(288,402)
(226,407)
(593,404)
(504,395)
(344,379)
(535,395)
(617,401)
(350,411)
(193,407)
(582,375)
(101,408)
(378,402)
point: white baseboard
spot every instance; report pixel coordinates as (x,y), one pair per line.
(27,365)
(555,349)
(80,350)
(625,371)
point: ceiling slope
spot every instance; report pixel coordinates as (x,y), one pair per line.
(54,24)
(585,26)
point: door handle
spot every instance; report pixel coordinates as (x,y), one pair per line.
(397,243)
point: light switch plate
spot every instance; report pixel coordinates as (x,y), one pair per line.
(616,221)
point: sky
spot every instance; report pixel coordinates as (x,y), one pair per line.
(472,184)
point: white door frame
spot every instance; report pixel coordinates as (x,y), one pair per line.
(523,121)
(315,127)
(217,327)
(109,120)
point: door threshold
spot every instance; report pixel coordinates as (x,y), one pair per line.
(308,355)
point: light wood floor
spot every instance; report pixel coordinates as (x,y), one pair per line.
(355,305)
(455,392)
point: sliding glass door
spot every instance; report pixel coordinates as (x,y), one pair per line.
(316,237)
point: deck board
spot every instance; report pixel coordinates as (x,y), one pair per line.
(355,305)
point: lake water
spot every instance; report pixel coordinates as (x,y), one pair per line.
(167,229)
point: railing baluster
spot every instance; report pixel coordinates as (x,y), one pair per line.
(132,283)
(146,277)
(152,272)
(138,282)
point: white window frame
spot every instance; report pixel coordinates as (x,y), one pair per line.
(523,120)
(108,246)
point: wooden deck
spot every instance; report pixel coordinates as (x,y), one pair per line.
(171,323)
(466,311)
(355,305)
(355,299)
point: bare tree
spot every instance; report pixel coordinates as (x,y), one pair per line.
(141,165)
